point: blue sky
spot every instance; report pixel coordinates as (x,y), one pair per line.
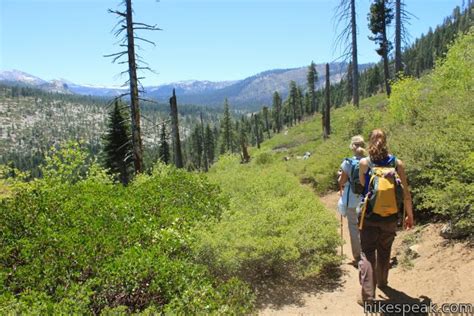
(201,39)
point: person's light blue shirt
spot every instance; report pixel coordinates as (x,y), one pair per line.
(354,199)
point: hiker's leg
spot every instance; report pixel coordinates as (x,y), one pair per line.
(366,278)
(353,232)
(384,247)
(368,240)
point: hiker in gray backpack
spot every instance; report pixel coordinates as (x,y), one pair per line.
(385,195)
(350,195)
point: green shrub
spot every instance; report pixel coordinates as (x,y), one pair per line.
(436,141)
(264,158)
(273,226)
(81,245)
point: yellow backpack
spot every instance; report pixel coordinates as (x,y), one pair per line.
(384,198)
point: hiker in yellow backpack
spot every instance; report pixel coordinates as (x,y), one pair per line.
(385,194)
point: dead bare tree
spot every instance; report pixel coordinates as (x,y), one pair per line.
(402,18)
(346,13)
(204,146)
(127,28)
(177,154)
(327,107)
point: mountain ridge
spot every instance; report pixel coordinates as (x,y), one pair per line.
(251,92)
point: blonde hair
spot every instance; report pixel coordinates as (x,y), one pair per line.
(378,149)
(360,152)
(358,146)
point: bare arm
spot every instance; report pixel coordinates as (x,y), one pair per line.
(407,202)
(342,180)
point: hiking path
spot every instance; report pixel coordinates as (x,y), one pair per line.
(426,268)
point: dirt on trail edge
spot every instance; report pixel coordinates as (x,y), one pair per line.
(427,268)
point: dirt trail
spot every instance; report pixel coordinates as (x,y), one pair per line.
(439,271)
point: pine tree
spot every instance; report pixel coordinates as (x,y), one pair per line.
(307,103)
(209,144)
(266,119)
(375,80)
(117,145)
(277,111)
(293,101)
(256,130)
(196,146)
(164,147)
(245,157)
(380,17)
(299,103)
(287,112)
(312,78)
(204,146)
(226,130)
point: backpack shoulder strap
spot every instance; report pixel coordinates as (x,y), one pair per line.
(370,164)
(349,161)
(395,163)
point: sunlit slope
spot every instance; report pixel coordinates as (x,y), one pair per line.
(429,122)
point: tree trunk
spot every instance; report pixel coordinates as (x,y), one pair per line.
(134,101)
(257,136)
(178,157)
(355,65)
(386,74)
(245,154)
(204,147)
(326,116)
(398,37)
(267,123)
(385,52)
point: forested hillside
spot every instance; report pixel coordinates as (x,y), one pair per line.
(32,121)
(305,98)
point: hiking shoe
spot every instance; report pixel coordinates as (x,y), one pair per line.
(355,262)
(393,262)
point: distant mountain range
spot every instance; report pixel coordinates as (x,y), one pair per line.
(251,92)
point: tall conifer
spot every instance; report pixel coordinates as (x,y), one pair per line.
(118,146)
(312,78)
(164,148)
(380,17)
(226,129)
(277,111)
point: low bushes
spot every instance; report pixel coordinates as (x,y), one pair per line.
(432,131)
(88,246)
(273,226)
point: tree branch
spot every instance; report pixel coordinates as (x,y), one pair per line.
(117,55)
(145,40)
(144,26)
(119,13)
